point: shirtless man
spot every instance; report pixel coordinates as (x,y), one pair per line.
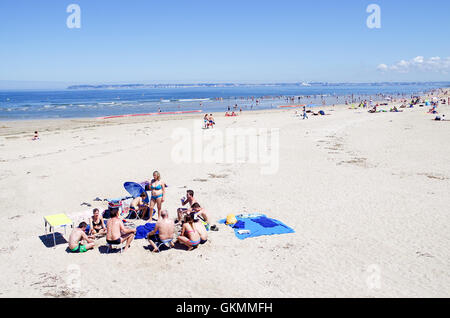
(166,229)
(198,211)
(77,236)
(117,232)
(185,200)
(139,206)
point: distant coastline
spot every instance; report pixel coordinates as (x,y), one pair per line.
(225,85)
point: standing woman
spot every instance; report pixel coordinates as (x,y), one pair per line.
(158,190)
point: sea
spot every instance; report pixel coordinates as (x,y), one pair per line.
(91,103)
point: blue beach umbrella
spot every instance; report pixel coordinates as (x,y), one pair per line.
(135,190)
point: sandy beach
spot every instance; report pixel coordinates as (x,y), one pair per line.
(367,194)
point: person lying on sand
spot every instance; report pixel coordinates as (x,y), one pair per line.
(116,231)
(139,206)
(395,110)
(96,224)
(190,236)
(165,228)
(77,236)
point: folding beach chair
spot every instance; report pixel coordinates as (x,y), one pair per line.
(56,220)
(158,245)
(112,246)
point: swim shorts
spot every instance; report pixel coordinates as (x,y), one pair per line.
(79,249)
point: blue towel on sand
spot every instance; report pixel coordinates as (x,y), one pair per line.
(143,230)
(264,222)
(258,226)
(239,225)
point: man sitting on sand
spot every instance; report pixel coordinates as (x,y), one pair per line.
(188,199)
(116,231)
(77,236)
(139,206)
(165,228)
(36,136)
(198,211)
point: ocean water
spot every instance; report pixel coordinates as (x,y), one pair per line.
(42,104)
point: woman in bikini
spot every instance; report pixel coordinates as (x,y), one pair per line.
(158,189)
(97,226)
(190,236)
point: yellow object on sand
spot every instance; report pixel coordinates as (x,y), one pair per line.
(231,219)
(54,221)
(57,220)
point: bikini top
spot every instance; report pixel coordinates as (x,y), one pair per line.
(96,224)
(158,187)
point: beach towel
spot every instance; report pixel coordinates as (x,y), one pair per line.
(265,222)
(143,230)
(239,225)
(258,226)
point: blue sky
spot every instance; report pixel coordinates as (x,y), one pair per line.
(224,41)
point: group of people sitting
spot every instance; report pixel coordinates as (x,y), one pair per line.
(193,232)
(230,114)
(208,121)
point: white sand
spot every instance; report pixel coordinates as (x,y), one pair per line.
(368,196)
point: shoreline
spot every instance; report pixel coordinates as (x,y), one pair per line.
(11,128)
(215,105)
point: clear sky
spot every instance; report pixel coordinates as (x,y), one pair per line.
(224,41)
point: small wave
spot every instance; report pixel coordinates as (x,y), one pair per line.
(194,100)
